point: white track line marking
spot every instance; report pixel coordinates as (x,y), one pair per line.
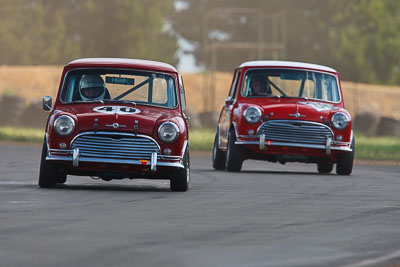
(373,262)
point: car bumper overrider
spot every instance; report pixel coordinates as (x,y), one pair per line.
(115,148)
(296,134)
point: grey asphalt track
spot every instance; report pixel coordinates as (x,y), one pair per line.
(266,215)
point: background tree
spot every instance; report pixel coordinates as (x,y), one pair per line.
(29,34)
(360,38)
(366,34)
(56,31)
(124,28)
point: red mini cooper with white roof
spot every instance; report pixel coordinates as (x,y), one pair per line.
(114,119)
(282,111)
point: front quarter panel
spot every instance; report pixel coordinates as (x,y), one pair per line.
(53,139)
(346,133)
(242,127)
(177,148)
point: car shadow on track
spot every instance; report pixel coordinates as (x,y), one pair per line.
(273,172)
(120,188)
(284,172)
(134,187)
(91,187)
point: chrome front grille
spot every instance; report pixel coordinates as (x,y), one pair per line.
(116,146)
(296,132)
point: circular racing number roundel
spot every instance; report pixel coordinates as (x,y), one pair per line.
(116,110)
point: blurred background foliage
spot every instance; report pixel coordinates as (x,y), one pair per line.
(38,32)
(360,38)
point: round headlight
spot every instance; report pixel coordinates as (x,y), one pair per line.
(340,120)
(168,132)
(252,114)
(64,125)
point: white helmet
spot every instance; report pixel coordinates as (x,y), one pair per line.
(92,87)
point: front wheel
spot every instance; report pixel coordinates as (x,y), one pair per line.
(325,166)
(179,182)
(344,165)
(61,178)
(234,157)
(48,172)
(218,157)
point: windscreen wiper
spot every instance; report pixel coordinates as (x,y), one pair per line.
(87,101)
(119,101)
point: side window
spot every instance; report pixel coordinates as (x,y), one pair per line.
(235,84)
(309,89)
(160,91)
(182,92)
(183,99)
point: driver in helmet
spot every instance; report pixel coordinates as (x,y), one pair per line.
(257,86)
(92,87)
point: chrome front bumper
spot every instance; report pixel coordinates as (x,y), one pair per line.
(74,156)
(261,142)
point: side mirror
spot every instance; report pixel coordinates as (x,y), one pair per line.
(186,117)
(47,103)
(229,101)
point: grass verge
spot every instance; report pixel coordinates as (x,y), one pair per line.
(202,140)
(367,148)
(21,134)
(377,148)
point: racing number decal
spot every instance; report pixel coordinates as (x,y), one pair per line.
(128,110)
(104,109)
(116,110)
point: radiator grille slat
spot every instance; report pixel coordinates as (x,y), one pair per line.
(296,131)
(100,149)
(116,146)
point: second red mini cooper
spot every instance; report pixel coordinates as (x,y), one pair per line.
(114,119)
(283,111)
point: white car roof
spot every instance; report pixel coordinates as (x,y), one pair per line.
(127,61)
(290,64)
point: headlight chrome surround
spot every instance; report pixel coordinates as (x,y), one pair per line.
(64,125)
(340,120)
(168,132)
(252,114)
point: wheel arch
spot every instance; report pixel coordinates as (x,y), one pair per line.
(233,127)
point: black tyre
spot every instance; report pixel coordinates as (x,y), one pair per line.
(218,157)
(48,172)
(234,157)
(61,178)
(344,165)
(180,179)
(325,166)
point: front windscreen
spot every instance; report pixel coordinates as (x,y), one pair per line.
(290,83)
(114,85)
